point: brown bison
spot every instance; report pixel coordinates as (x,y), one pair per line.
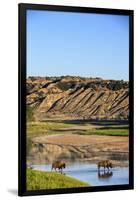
(58,165)
(105,163)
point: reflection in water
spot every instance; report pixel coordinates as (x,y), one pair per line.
(105,174)
(88,172)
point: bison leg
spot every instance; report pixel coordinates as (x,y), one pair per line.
(59,169)
(52,168)
(55,169)
(108,168)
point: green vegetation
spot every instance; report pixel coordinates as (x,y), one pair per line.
(109,130)
(30,116)
(40,128)
(29,145)
(37,180)
(106,131)
(48,128)
(63,86)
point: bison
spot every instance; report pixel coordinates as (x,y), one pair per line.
(58,165)
(105,163)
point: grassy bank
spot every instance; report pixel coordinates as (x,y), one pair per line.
(109,131)
(37,180)
(40,128)
(29,114)
(48,128)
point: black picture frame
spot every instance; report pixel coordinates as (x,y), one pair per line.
(22,8)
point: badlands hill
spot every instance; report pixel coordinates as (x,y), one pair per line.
(70,97)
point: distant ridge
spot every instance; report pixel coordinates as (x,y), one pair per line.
(77,97)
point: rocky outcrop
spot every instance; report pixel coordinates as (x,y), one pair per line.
(78,97)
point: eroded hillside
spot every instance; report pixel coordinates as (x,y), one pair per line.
(77,98)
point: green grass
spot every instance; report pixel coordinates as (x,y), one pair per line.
(108,131)
(30,116)
(40,128)
(48,128)
(37,180)
(28,145)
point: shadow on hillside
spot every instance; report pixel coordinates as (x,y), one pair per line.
(99,122)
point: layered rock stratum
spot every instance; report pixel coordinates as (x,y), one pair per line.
(77,98)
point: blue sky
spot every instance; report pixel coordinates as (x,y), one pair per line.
(91,45)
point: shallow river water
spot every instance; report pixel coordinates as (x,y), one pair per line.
(88,172)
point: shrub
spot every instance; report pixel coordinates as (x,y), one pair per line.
(30,115)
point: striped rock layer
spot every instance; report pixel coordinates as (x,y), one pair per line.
(78,98)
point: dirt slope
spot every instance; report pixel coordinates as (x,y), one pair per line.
(78,97)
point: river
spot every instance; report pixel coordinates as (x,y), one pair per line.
(88,172)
